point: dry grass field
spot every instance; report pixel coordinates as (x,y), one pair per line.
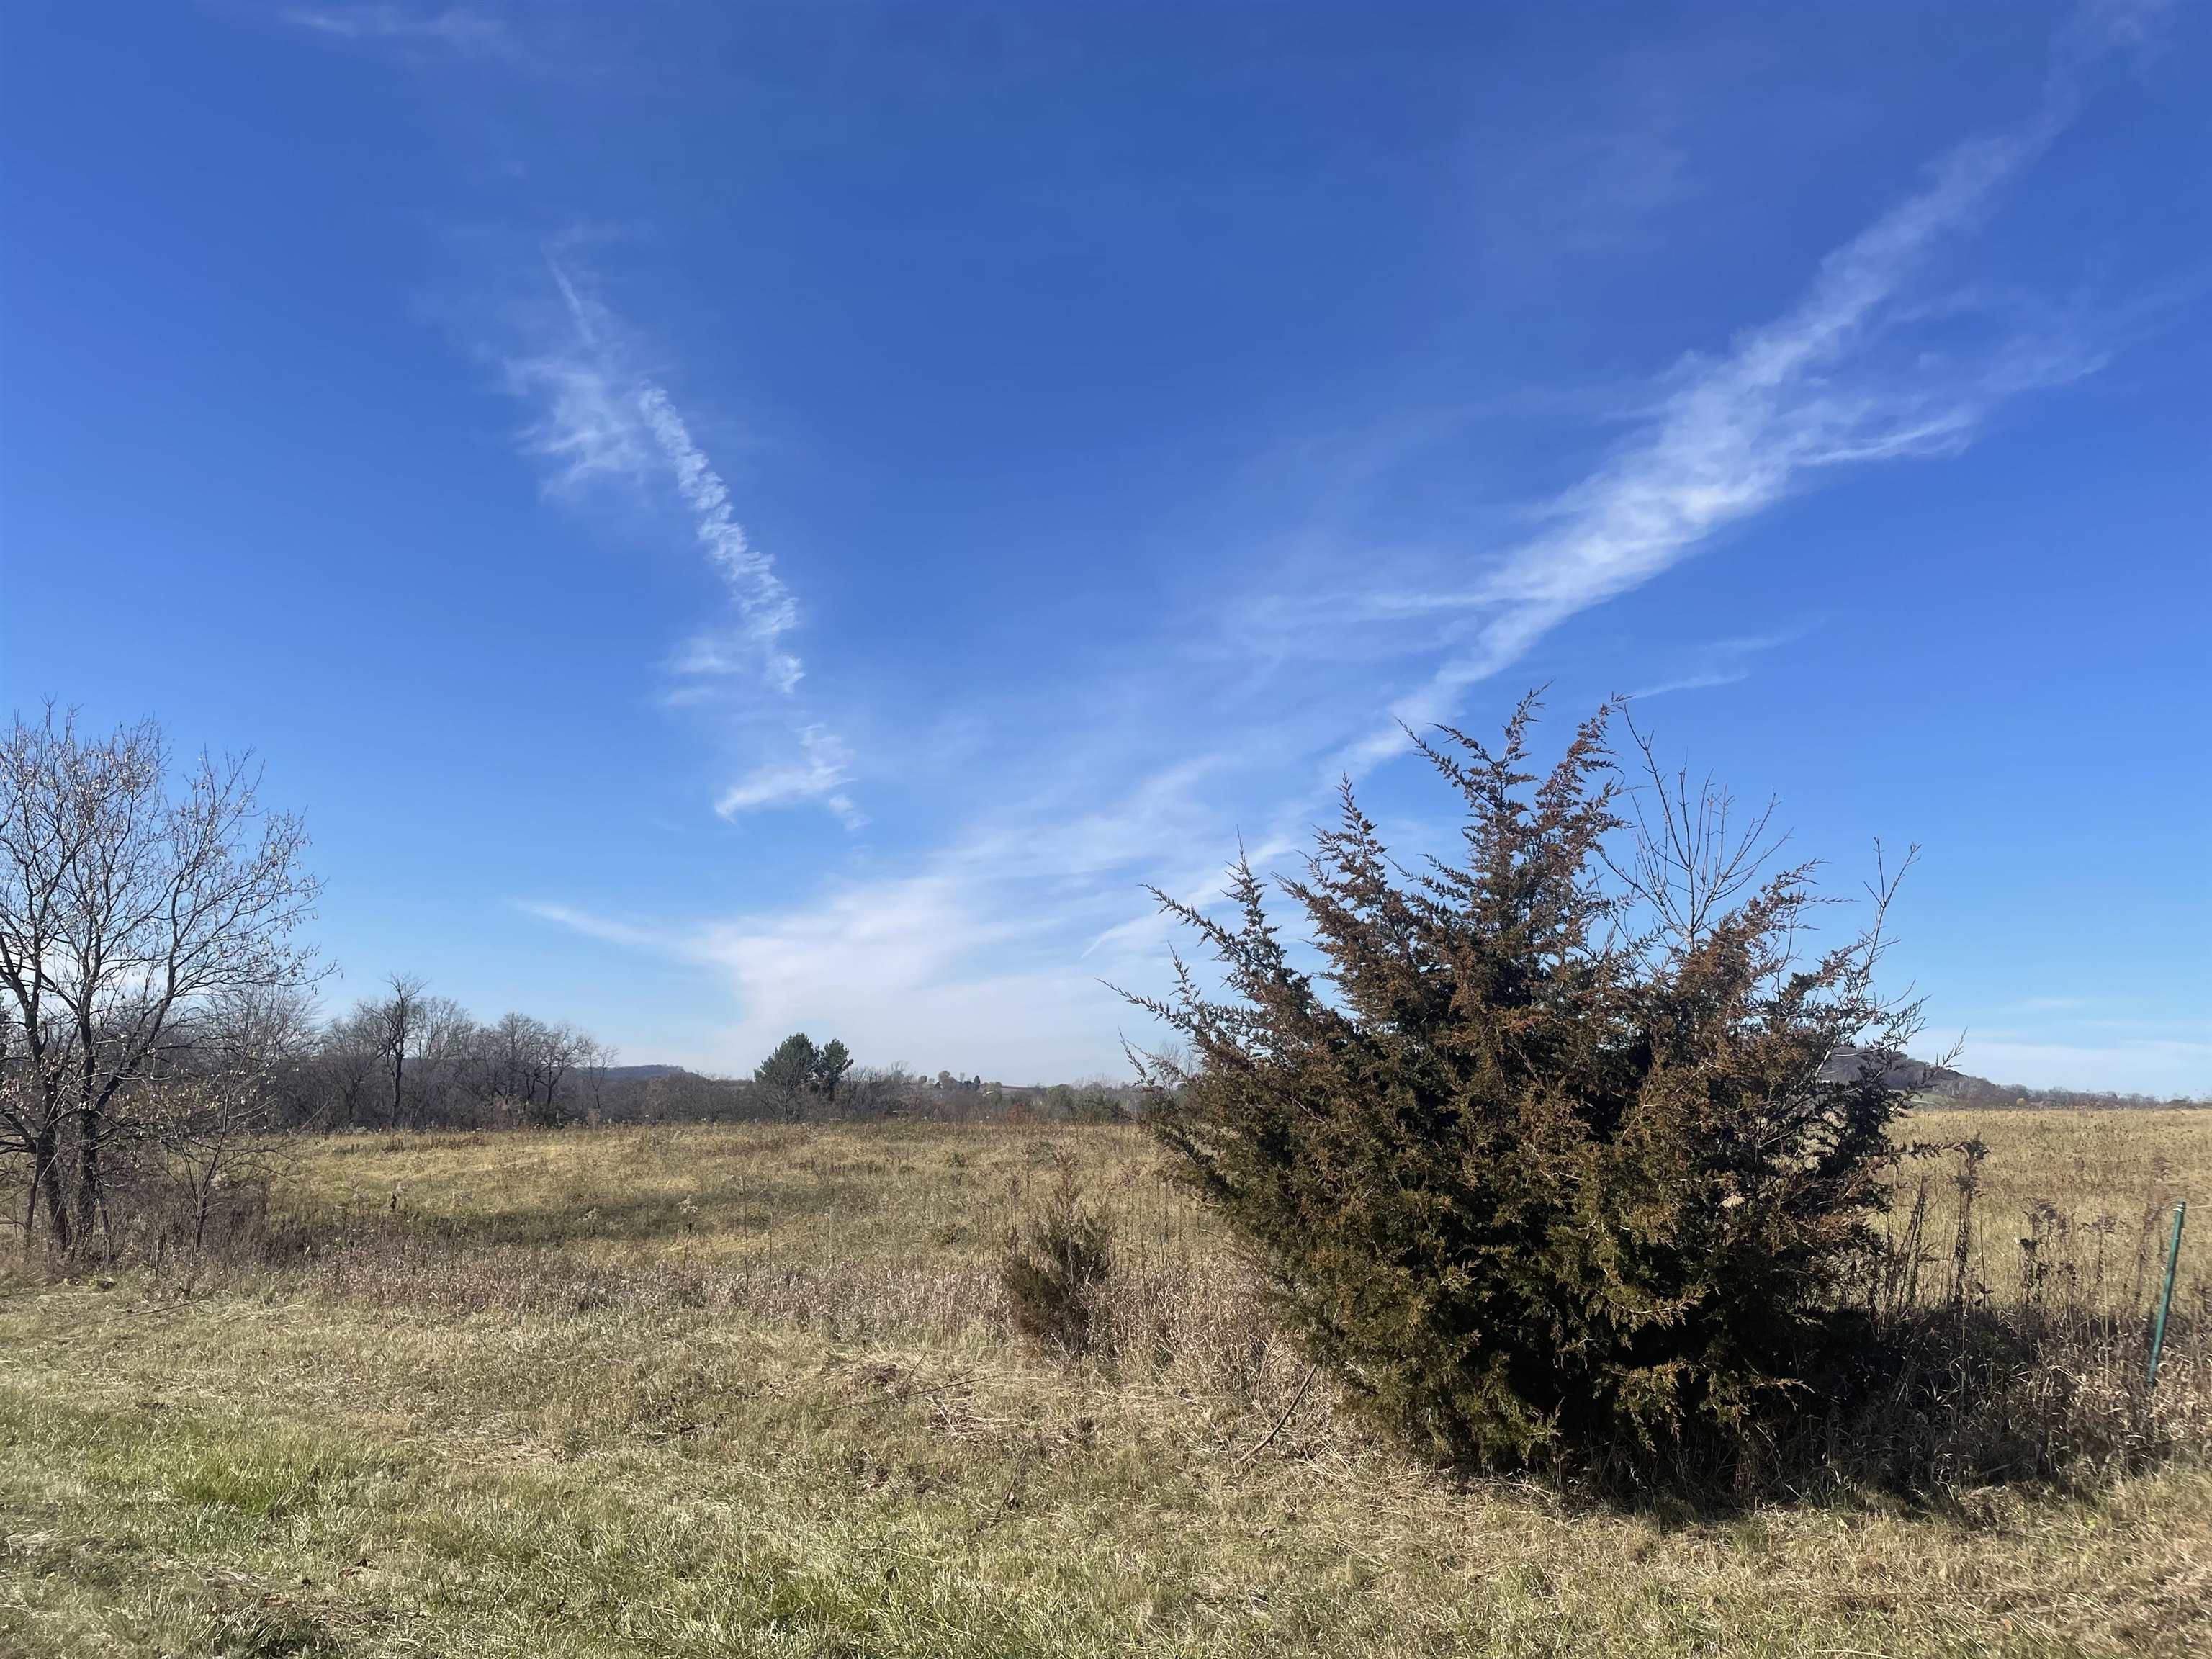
(736,1390)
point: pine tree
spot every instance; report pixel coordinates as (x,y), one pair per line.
(830,1065)
(791,1067)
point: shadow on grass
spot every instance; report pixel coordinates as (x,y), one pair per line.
(1933,1411)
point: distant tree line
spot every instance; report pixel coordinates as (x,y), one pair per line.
(405,1059)
(1962,1089)
(780,1091)
(1929,1081)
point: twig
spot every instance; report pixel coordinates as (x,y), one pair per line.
(1253,1451)
(902,1399)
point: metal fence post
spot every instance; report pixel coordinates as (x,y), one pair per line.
(2165,1300)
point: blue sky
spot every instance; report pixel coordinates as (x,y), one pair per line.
(734,517)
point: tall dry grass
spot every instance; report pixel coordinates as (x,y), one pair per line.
(2001,1334)
(2007,1314)
(758,1389)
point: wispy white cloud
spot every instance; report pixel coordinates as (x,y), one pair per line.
(995,952)
(601,418)
(961,955)
(819,773)
(1829,384)
(607,930)
(1721,662)
(910,967)
(925,972)
(765,602)
(460,27)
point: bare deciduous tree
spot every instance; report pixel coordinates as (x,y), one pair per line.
(130,903)
(205,1135)
(268,1034)
(593,1064)
(349,1060)
(410,1025)
(524,1061)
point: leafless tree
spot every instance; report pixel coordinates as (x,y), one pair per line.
(132,901)
(259,1027)
(411,1060)
(1694,853)
(207,1136)
(348,1062)
(523,1062)
(394,1024)
(593,1065)
(567,1050)
(267,1034)
(410,1025)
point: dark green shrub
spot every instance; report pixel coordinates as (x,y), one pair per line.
(1095,1105)
(1550,1160)
(1057,1268)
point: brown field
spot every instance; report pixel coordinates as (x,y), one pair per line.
(751,1390)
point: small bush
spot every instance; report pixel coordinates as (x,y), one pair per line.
(1552,1161)
(1096,1106)
(1057,1267)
